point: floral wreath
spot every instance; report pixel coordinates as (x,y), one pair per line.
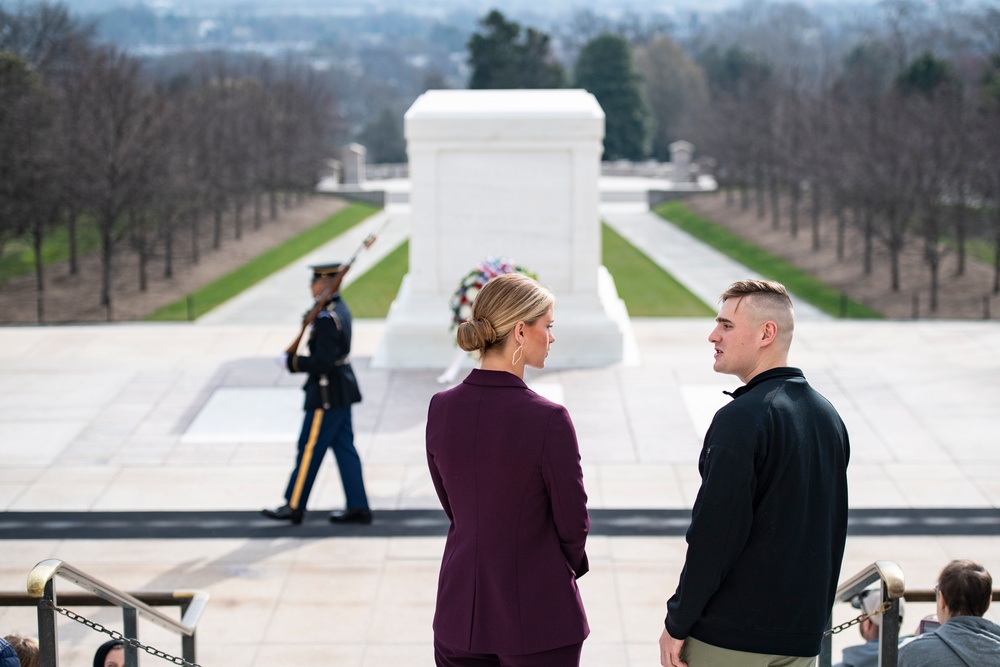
(468,288)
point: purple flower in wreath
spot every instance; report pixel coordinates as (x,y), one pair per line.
(468,288)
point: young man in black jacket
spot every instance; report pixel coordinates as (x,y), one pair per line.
(769,524)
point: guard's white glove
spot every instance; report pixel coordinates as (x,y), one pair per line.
(282,361)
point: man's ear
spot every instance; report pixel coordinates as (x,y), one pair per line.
(768,332)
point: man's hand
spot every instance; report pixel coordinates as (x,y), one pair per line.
(670,650)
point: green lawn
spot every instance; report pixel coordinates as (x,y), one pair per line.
(802,284)
(234,282)
(372,294)
(648,290)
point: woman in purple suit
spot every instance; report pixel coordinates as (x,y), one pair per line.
(506,467)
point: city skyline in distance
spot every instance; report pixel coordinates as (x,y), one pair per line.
(432,7)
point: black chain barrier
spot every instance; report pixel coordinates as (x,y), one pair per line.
(114,634)
(854,621)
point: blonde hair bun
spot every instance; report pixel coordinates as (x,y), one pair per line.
(476,334)
(502,302)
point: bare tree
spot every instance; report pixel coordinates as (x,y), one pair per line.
(676,89)
(117,118)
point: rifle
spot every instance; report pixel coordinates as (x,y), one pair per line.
(331,290)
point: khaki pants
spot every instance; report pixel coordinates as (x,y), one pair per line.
(700,654)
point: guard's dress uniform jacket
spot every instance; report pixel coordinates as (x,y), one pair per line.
(330,390)
(506,466)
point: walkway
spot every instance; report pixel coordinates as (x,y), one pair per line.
(194,423)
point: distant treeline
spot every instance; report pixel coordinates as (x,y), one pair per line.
(889,120)
(90,139)
(897,135)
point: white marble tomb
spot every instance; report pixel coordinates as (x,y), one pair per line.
(511,174)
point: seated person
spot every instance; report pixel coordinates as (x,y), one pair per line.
(8,656)
(965,638)
(110,654)
(26,649)
(866,655)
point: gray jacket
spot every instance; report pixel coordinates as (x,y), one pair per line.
(964,641)
(863,655)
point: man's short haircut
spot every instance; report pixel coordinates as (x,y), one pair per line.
(768,288)
(769,299)
(967,588)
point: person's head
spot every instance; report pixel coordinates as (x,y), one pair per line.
(753,331)
(869,602)
(323,277)
(110,654)
(964,588)
(26,649)
(511,312)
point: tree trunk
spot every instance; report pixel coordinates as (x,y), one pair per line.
(74,263)
(996,266)
(107,243)
(961,234)
(894,267)
(139,241)
(273,202)
(258,212)
(39,272)
(866,222)
(934,263)
(793,208)
(760,191)
(193,223)
(168,250)
(143,264)
(775,203)
(933,251)
(238,218)
(217,227)
(817,210)
(841,214)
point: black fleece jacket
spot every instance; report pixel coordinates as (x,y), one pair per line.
(768,527)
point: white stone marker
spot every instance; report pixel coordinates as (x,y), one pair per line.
(510,174)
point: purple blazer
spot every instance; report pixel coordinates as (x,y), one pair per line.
(506,466)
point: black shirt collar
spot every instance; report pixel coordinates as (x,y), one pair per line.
(770,374)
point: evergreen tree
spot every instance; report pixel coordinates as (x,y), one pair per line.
(925,75)
(605,69)
(503,57)
(383,138)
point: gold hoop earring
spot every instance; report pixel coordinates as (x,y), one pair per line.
(517,356)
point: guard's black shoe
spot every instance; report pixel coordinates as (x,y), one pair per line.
(284,513)
(351,516)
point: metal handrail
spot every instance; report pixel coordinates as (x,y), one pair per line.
(890,576)
(41,585)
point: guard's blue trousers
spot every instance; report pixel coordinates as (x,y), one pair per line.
(322,430)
